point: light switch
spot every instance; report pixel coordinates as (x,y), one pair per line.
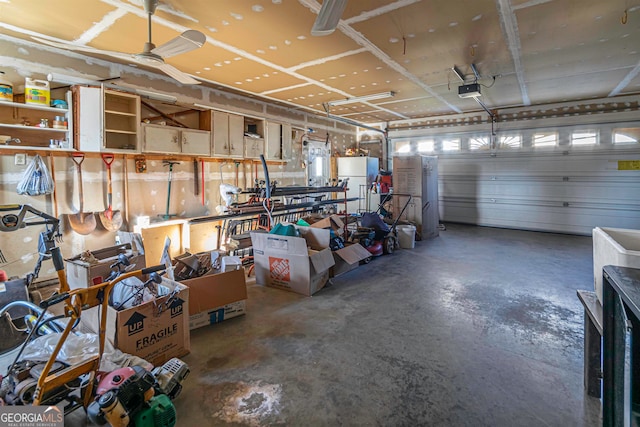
(20,159)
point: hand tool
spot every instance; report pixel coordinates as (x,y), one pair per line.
(169,163)
(110,219)
(81,222)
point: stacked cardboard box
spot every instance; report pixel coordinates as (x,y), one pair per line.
(82,273)
(297,264)
(156,330)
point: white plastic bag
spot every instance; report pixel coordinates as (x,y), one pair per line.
(36,180)
(76,349)
(131,292)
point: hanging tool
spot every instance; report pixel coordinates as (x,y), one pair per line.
(125,173)
(110,219)
(169,163)
(196,178)
(202,176)
(81,222)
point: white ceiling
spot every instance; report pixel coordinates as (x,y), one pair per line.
(540,51)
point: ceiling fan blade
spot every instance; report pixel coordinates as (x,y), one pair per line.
(173,72)
(185,42)
(328,17)
(86,49)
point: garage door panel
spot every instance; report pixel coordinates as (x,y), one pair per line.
(547,192)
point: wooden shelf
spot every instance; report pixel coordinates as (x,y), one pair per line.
(13,149)
(62,111)
(128,132)
(32,128)
(120,113)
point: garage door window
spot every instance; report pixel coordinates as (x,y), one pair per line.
(479,143)
(626,136)
(584,138)
(426,146)
(547,139)
(511,141)
(403,147)
(451,144)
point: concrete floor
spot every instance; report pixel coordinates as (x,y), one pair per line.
(478,327)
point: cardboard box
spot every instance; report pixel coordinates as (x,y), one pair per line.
(297,264)
(348,258)
(333,222)
(218,314)
(155,331)
(215,297)
(81,274)
(44,289)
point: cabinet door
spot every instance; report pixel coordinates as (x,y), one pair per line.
(236,135)
(220,134)
(89,118)
(253,147)
(196,142)
(286,142)
(161,139)
(273,150)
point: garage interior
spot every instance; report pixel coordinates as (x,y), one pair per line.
(505,131)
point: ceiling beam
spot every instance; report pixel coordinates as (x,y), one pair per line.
(99,27)
(509,24)
(627,79)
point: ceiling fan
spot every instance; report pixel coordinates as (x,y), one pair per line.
(151,56)
(328,17)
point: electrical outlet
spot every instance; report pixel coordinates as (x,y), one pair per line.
(20,159)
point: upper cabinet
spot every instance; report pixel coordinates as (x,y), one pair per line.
(278,144)
(226,134)
(33,125)
(169,139)
(107,120)
(254,130)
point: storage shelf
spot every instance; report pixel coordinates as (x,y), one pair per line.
(128,132)
(35,148)
(120,113)
(35,107)
(32,128)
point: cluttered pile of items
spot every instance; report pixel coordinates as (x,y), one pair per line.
(71,356)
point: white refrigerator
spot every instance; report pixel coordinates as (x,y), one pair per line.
(362,173)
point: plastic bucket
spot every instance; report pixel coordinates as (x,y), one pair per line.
(6,89)
(406,236)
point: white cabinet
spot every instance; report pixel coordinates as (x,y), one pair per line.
(228,135)
(253,147)
(196,142)
(107,120)
(286,143)
(278,145)
(169,139)
(273,149)
(34,125)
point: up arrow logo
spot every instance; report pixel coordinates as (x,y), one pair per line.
(135,323)
(176,307)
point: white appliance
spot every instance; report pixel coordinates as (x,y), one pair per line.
(362,173)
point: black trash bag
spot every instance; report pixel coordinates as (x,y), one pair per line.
(373,220)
